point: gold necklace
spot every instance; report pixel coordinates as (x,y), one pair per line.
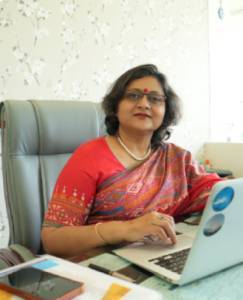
(130,153)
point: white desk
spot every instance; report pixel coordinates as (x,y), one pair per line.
(225,285)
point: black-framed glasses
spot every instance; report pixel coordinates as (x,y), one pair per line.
(153,98)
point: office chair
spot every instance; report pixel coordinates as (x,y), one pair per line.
(38,137)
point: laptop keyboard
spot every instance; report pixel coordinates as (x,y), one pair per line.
(174,261)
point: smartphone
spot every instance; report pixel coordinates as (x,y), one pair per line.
(31,283)
(136,273)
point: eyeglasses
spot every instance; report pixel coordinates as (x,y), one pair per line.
(153,98)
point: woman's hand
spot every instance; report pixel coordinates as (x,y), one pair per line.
(153,225)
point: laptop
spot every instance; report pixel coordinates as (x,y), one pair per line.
(216,245)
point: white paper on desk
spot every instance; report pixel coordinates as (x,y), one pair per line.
(96,284)
(20,266)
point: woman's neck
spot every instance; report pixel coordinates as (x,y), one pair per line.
(137,143)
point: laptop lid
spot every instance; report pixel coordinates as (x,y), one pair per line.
(217,244)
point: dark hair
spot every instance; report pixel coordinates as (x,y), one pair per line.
(114,96)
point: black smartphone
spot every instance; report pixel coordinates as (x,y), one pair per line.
(136,273)
(31,283)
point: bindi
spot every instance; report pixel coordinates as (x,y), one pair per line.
(145,90)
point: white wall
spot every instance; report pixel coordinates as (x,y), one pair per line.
(226,65)
(74,49)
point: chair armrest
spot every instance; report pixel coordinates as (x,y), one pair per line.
(23,252)
(13,255)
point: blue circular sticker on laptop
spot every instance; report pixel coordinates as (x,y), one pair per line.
(213,224)
(223,199)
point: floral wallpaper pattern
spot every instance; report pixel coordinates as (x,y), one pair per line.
(70,49)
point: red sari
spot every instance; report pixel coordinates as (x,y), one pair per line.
(169,181)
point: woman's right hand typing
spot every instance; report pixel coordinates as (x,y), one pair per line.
(154,225)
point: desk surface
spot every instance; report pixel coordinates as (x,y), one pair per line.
(225,285)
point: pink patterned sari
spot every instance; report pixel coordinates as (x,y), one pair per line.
(170,181)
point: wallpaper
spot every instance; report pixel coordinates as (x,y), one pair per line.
(69,49)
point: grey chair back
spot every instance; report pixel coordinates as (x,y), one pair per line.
(38,137)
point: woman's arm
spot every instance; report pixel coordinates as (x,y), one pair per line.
(68,241)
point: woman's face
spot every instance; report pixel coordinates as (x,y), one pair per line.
(143,106)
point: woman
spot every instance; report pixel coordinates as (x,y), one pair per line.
(130,184)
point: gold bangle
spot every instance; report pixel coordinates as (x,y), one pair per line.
(98,233)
